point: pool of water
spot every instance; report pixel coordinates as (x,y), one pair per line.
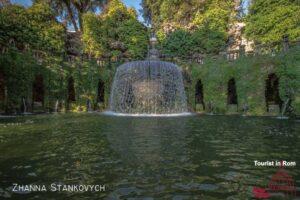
(191,157)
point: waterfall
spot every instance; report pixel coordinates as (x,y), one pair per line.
(89,106)
(24,105)
(56,106)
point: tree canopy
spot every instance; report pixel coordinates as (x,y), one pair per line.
(71,11)
(115,32)
(35,27)
(269,20)
(189,27)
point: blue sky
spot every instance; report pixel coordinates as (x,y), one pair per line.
(129,3)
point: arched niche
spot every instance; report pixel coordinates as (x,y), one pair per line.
(199,98)
(231,92)
(38,89)
(101,92)
(272,91)
(71,90)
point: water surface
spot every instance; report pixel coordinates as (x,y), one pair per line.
(192,157)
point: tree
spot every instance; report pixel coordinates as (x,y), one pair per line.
(14,27)
(83,6)
(72,11)
(269,20)
(162,11)
(115,32)
(203,25)
(34,28)
(50,33)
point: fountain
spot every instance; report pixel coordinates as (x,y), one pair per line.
(56,106)
(88,106)
(150,87)
(24,107)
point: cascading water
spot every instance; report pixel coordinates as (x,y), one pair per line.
(149,87)
(24,105)
(56,106)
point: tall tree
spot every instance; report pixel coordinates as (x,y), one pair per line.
(116,32)
(269,20)
(185,27)
(34,27)
(83,6)
(72,11)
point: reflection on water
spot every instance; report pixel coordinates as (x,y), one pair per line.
(194,157)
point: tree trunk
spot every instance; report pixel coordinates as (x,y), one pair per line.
(80,21)
(70,12)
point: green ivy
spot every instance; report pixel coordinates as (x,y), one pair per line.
(250,74)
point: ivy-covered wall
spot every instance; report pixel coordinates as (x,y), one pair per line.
(21,69)
(250,75)
(249,72)
(86,77)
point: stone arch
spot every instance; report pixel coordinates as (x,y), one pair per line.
(71,90)
(38,89)
(2,86)
(199,97)
(101,91)
(231,92)
(272,91)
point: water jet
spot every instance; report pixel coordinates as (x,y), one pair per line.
(148,88)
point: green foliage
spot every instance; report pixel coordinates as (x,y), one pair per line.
(269,20)
(289,72)
(178,42)
(14,26)
(115,32)
(51,34)
(86,76)
(36,29)
(180,11)
(215,16)
(185,28)
(22,68)
(250,74)
(32,28)
(184,43)
(20,74)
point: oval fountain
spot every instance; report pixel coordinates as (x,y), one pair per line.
(148,88)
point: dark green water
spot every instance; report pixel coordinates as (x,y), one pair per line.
(197,157)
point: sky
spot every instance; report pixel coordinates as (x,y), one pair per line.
(129,3)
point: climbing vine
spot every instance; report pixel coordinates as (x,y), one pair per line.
(250,74)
